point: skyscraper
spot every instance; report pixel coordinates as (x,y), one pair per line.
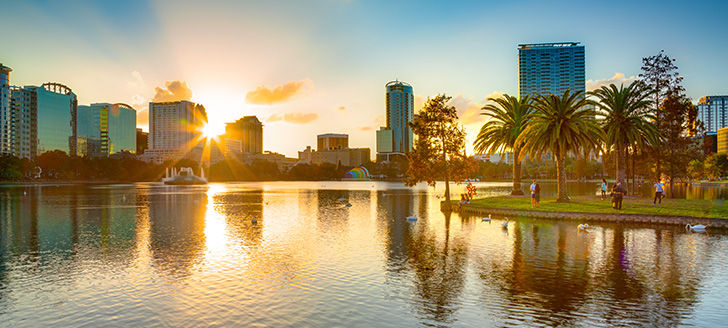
(400,110)
(545,68)
(57,106)
(174,130)
(105,129)
(249,131)
(24,130)
(6,119)
(713,112)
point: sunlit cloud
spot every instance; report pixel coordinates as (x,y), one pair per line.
(172,91)
(617,79)
(366,128)
(137,81)
(341,108)
(263,95)
(294,118)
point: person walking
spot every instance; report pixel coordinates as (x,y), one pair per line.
(659,192)
(617,194)
(538,193)
(533,194)
(604,189)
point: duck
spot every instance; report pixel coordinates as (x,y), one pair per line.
(695,228)
(583,226)
(411,218)
(487,219)
(254,221)
(348,205)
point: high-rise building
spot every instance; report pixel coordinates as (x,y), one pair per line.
(400,111)
(249,131)
(105,129)
(24,130)
(57,107)
(545,68)
(142,141)
(331,141)
(174,130)
(6,119)
(713,112)
(722,141)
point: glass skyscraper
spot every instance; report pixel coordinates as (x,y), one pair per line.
(400,111)
(545,68)
(105,129)
(713,112)
(57,107)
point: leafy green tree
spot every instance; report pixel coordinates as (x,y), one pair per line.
(561,125)
(439,151)
(680,148)
(716,166)
(627,120)
(507,118)
(696,169)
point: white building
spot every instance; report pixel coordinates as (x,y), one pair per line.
(713,112)
(174,130)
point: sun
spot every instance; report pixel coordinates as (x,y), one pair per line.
(212,131)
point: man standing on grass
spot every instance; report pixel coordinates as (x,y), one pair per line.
(617,193)
(659,193)
(535,193)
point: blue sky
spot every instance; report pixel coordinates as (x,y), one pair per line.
(331,59)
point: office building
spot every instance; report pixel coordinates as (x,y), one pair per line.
(6,117)
(24,130)
(57,107)
(345,157)
(142,141)
(713,112)
(175,131)
(105,129)
(722,141)
(545,68)
(331,141)
(249,131)
(397,136)
(710,143)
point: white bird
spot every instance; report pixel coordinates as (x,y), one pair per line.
(505,223)
(412,218)
(583,226)
(487,219)
(695,228)
(123,198)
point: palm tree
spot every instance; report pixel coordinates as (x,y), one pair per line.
(627,119)
(508,117)
(561,125)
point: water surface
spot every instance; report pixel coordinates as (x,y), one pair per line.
(152,255)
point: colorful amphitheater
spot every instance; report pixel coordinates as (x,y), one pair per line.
(357,173)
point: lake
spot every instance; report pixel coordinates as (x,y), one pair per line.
(152,255)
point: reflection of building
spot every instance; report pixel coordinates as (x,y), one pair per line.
(331,141)
(174,130)
(400,111)
(723,141)
(713,112)
(545,68)
(142,141)
(249,131)
(105,129)
(345,157)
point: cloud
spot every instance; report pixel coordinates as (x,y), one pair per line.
(468,111)
(365,128)
(341,108)
(262,95)
(294,118)
(172,91)
(138,81)
(617,79)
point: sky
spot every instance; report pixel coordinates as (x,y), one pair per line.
(320,66)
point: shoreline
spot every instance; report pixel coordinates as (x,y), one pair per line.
(585,216)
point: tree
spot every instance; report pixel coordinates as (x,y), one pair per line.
(439,151)
(627,120)
(675,128)
(696,169)
(561,125)
(716,166)
(508,117)
(660,73)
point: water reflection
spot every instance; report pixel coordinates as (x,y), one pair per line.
(150,255)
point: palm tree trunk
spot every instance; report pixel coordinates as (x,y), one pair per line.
(516,173)
(560,177)
(447,178)
(620,163)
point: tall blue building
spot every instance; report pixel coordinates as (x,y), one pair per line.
(105,129)
(400,110)
(545,68)
(56,118)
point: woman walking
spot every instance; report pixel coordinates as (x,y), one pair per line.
(604,189)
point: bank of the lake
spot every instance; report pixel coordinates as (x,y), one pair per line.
(713,213)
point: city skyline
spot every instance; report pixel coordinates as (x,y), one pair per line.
(304,68)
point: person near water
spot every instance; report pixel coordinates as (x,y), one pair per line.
(538,193)
(535,193)
(617,194)
(659,192)
(604,189)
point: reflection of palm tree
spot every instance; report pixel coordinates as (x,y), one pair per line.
(508,117)
(561,125)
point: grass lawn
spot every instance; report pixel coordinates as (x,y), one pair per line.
(680,207)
